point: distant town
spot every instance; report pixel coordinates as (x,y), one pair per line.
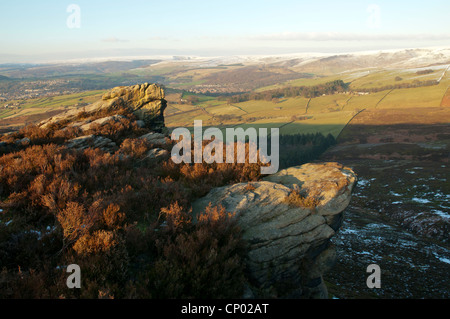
(15,92)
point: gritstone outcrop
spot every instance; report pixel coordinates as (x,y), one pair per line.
(145,100)
(288,245)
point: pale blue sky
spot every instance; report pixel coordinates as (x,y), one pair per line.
(38,30)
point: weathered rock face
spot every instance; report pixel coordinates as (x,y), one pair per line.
(288,246)
(88,124)
(330,183)
(145,100)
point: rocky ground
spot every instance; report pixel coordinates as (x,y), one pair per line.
(399,218)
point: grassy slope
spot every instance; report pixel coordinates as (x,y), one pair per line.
(326,114)
(416,97)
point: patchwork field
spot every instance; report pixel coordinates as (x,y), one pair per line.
(324,114)
(21,112)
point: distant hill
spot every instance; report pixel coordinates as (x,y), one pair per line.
(70,69)
(4,78)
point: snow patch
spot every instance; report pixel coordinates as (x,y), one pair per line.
(363,182)
(406,243)
(348,231)
(441,213)
(36,232)
(377,226)
(443,259)
(395,194)
(421,200)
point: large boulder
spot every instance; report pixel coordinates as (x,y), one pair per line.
(288,245)
(138,95)
(146,101)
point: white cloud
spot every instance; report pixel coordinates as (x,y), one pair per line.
(158,38)
(114,40)
(336,36)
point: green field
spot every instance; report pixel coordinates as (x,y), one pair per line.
(324,114)
(308,81)
(416,97)
(42,105)
(381,78)
(288,115)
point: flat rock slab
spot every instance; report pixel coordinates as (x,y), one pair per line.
(330,183)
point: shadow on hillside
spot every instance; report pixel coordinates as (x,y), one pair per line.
(307,143)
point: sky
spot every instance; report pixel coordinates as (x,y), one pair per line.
(54,30)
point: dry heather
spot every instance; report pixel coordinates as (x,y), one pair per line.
(123,218)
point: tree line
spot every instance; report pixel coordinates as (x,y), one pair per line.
(329,88)
(337,86)
(299,149)
(413,84)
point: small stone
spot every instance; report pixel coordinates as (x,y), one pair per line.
(158,154)
(93,141)
(155,138)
